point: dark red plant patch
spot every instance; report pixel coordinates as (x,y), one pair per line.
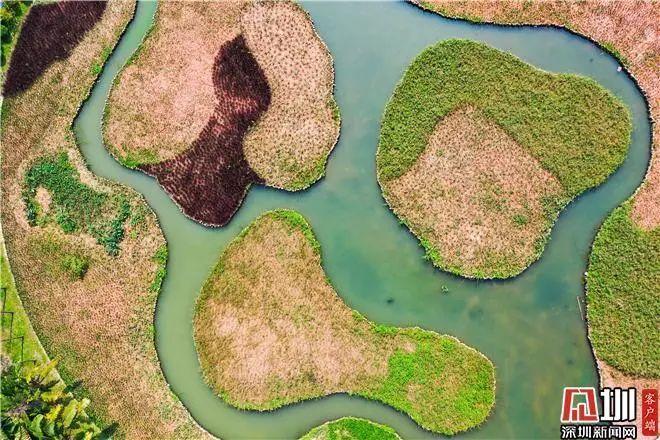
(209,180)
(49,34)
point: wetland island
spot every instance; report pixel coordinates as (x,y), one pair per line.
(268,219)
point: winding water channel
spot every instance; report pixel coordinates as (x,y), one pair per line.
(530,327)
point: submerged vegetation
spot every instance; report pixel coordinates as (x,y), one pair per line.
(351,428)
(270,330)
(623,296)
(75,206)
(564,129)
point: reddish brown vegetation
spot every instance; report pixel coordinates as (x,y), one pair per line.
(49,34)
(209,180)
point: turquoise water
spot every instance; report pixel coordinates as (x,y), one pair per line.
(530,327)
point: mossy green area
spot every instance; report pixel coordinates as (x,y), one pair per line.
(17,324)
(76,207)
(576,129)
(351,428)
(623,298)
(441,383)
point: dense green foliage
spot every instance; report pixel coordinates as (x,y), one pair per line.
(623,295)
(37,404)
(351,428)
(575,128)
(76,206)
(75,266)
(11,15)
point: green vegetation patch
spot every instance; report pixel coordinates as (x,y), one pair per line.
(76,207)
(623,297)
(576,129)
(351,428)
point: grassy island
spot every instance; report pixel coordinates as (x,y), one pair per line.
(87,255)
(246,98)
(351,428)
(480,151)
(270,330)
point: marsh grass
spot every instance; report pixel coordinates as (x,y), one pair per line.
(289,145)
(270,330)
(351,428)
(576,129)
(566,133)
(623,297)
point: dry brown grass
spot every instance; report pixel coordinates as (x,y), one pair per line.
(270,330)
(612,378)
(289,145)
(476,196)
(631,27)
(164,98)
(101,326)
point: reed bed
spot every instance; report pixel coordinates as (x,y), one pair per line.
(288,147)
(351,428)
(210,180)
(478,197)
(173,124)
(623,267)
(50,32)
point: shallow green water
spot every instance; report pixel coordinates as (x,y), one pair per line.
(530,327)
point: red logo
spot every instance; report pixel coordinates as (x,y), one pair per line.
(649,412)
(574,411)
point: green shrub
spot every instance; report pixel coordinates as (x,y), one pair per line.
(11,14)
(35,405)
(75,266)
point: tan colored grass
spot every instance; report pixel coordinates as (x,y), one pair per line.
(164,98)
(99,327)
(612,378)
(467,191)
(289,145)
(275,329)
(632,27)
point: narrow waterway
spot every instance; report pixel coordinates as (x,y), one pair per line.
(530,327)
